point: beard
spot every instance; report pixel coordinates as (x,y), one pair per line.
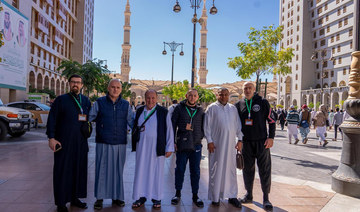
(75,89)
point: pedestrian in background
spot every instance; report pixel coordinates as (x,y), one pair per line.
(282,118)
(293,122)
(331,118)
(320,124)
(338,120)
(304,125)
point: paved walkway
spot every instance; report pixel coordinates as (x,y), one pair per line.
(26,185)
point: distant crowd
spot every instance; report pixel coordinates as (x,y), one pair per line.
(304,118)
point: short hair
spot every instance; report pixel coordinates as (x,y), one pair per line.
(192,89)
(337,109)
(222,89)
(75,76)
(113,80)
(150,90)
(174,101)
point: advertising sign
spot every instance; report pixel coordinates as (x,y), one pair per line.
(14,52)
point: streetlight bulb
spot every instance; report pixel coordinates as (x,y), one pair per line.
(181,53)
(213,10)
(164,52)
(177,7)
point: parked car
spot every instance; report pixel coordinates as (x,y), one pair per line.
(40,111)
(13,121)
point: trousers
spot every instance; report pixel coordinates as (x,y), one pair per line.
(194,158)
(256,151)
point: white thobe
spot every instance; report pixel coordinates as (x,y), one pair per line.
(222,126)
(149,169)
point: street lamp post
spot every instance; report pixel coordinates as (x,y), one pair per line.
(195,4)
(314,59)
(173,45)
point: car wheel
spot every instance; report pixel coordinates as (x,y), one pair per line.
(3,131)
(17,134)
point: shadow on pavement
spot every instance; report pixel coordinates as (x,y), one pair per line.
(307,163)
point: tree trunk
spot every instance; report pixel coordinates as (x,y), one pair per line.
(257,82)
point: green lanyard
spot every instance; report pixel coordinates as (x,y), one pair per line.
(248,107)
(191,116)
(79,104)
(151,112)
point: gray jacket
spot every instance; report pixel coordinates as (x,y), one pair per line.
(338,118)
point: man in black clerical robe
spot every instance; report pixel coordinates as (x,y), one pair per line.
(67,115)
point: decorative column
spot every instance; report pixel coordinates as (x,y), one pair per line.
(346,179)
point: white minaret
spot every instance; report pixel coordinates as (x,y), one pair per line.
(203,50)
(125,57)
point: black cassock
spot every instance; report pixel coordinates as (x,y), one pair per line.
(70,163)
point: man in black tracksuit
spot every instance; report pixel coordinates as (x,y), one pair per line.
(187,119)
(254,112)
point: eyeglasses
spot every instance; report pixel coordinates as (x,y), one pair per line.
(76,82)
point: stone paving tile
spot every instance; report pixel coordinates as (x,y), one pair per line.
(28,186)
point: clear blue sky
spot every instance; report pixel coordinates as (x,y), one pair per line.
(153,22)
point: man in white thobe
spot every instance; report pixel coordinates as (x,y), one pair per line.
(155,143)
(222,126)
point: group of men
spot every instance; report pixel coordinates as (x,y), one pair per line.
(320,120)
(156,134)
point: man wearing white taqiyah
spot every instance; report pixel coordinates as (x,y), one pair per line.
(222,126)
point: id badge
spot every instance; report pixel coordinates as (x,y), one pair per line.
(248,122)
(82,117)
(188,127)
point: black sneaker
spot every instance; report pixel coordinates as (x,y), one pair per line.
(267,205)
(118,202)
(296,141)
(235,202)
(198,202)
(246,199)
(325,143)
(62,209)
(98,205)
(78,203)
(175,200)
(217,204)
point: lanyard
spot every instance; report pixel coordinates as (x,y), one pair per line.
(248,107)
(191,116)
(151,112)
(79,104)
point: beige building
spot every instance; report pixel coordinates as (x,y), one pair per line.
(322,34)
(58,29)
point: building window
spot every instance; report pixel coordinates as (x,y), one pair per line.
(337,37)
(322,43)
(296,77)
(326,74)
(314,34)
(297,37)
(298,18)
(297,68)
(312,14)
(350,32)
(322,31)
(344,71)
(298,8)
(325,63)
(15,3)
(332,39)
(351,46)
(340,24)
(317,65)
(344,9)
(296,87)
(326,6)
(328,29)
(338,48)
(297,47)
(332,73)
(319,11)
(320,21)
(327,17)
(297,57)
(313,24)
(318,76)
(345,21)
(339,12)
(340,60)
(334,61)
(315,45)
(337,1)
(333,50)
(311,4)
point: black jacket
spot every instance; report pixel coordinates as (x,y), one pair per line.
(180,118)
(161,114)
(260,113)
